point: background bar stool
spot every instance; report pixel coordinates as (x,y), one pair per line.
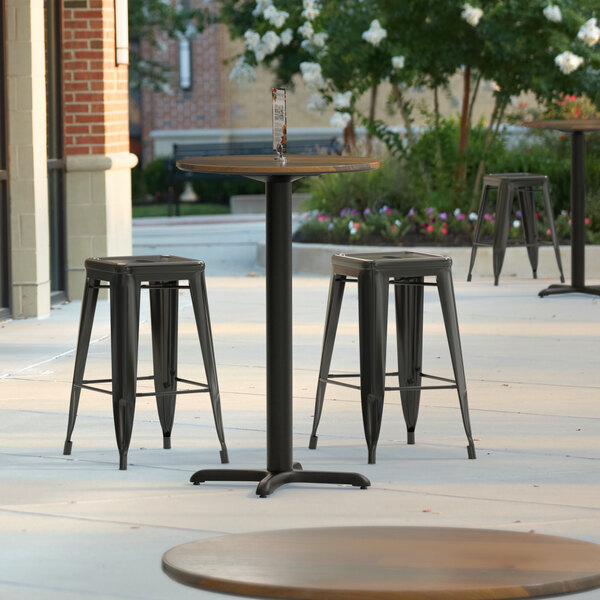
(125,275)
(374,273)
(507,184)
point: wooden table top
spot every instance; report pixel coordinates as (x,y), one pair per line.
(385,563)
(298,165)
(584,125)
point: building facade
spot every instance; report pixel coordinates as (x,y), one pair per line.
(65,185)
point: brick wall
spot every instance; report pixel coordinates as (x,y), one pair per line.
(201,107)
(96,95)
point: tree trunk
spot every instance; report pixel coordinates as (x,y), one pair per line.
(436,116)
(350,137)
(464,135)
(372,107)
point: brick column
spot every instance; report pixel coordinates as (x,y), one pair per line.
(28,175)
(98,161)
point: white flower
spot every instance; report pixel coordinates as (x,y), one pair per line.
(589,33)
(398,62)
(306,30)
(471,14)
(271,40)
(568,62)
(342,100)
(375,33)
(340,119)
(473,216)
(286,37)
(252,39)
(552,13)
(311,9)
(516,223)
(312,75)
(319,39)
(316,103)
(276,17)
(242,72)
(261,6)
(260,52)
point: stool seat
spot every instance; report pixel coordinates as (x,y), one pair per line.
(374,273)
(507,184)
(125,275)
(417,263)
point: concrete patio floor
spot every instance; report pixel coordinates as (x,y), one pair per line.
(76,527)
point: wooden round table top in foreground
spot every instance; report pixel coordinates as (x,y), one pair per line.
(265,165)
(385,563)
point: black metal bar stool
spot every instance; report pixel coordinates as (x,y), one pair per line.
(125,275)
(507,184)
(374,273)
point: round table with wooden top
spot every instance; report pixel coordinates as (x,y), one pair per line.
(278,177)
(577,128)
(387,563)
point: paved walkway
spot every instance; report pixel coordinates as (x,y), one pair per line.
(76,527)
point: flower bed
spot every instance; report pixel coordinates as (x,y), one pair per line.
(429,227)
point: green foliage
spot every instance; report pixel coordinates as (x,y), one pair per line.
(156,177)
(220,189)
(392,205)
(185,209)
(386,186)
(138,185)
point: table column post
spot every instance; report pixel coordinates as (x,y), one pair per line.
(578,209)
(279,323)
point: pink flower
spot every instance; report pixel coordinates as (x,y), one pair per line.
(322,218)
(548,232)
(394,228)
(587,221)
(429,228)
(488,217)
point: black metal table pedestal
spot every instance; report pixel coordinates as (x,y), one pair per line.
(577,224)
(280,466)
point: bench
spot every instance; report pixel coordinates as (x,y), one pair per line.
(329,145)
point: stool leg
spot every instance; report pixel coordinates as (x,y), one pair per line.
(527,204)
(448,302)
(477,235)
(373,290)
(86,320)
(164,305)
(550,216)
(334,304)
(124,326)
(200,302)
(409,338)
(503,210)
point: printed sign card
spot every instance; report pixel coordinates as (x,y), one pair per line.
(279,123)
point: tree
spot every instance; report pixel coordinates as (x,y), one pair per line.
(345,48)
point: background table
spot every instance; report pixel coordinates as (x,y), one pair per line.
(385,563)
(278,178)
(577,129)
